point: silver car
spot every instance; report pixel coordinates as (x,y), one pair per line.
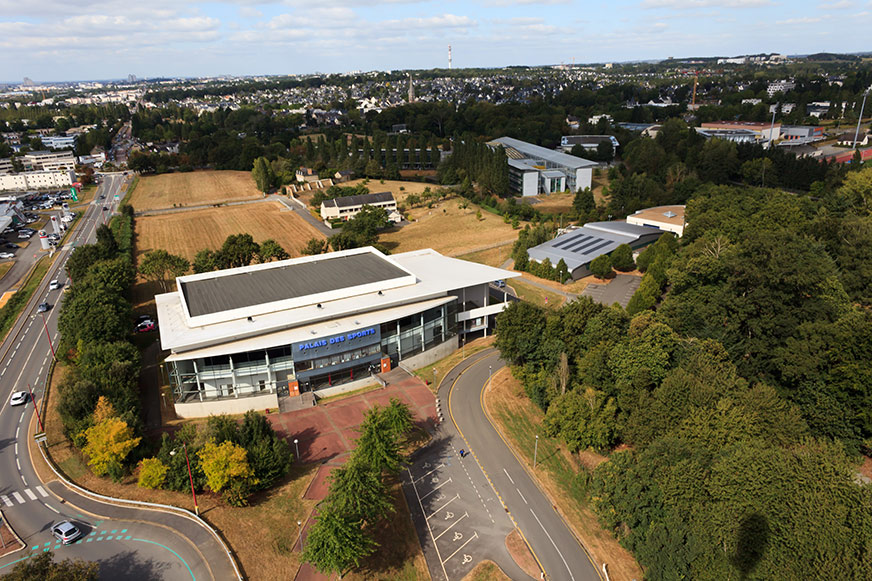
(66,532)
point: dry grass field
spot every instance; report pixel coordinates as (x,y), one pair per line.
(185,233)
(555,203)
(449,229)
(193,189)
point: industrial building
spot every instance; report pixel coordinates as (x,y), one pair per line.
(535,170)
(347,207)
(666,218)
(246,338)
(577,248)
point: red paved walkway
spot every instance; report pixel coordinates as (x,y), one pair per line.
(327,431)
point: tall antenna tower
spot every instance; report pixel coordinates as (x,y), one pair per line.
(449,57)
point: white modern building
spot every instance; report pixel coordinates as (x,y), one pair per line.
(6,166)
(666,218)
(347,207)
(588,142)
(48,161)
(780,87)
(35,180)
(245,338)
(59,141)
(535,170)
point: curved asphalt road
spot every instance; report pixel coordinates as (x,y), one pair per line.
(127,543)
(554,545)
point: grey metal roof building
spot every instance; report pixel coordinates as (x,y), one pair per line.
(537,170)
(360,200)
(579,247)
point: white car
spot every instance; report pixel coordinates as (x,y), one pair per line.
(54,285)
(67,218)
(18,398)
(6,255)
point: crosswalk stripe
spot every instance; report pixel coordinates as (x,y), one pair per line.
(30,494)
(18,497)
(6,500)
(41,491)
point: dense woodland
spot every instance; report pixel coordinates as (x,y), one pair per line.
(740,405)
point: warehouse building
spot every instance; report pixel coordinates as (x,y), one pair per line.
(246,338)
(666,218)
(577,248)
(535,170)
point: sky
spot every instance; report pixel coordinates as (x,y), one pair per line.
(61,40)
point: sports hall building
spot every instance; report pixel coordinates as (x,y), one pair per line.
(244,338)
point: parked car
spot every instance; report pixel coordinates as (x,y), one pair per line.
(54,285)
(144,318)
(12,245)
(43,307)
(66,532)
(18,398)
(6,255)
(145,327)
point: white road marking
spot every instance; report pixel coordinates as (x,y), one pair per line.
(23,479)
(435,489)
(16,448)
(30,494)
(18,497)
(6,500)
(429,473)
(553,543)
(17,463)
(41,491)
(466,514)
(50,507)
(427,522)
(17,430)
(507,474)
(522,496)
(456,496)
(474,536)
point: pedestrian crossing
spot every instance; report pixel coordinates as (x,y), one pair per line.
(20,499)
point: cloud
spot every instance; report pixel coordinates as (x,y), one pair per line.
(526,2)
(836,5)
(802,20)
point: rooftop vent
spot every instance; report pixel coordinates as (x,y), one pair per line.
(670,214)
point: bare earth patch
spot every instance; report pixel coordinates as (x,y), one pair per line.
(449,229)
(521,554)
(486,571)
(185,233)
(514,415)
(193,189)
(555,203)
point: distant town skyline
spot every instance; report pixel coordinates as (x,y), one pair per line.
(64,40)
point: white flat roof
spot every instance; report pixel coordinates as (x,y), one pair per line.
(433,276)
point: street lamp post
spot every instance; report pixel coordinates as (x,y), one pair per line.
(860,120)
(297,448)
(190,477)
(489,371)
(47,334)
(536,452)
(35,408)
(300,535)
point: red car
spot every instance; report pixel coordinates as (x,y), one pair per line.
(146,326)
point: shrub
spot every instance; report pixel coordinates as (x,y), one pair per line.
(601,266)
(622,258)
(152,473)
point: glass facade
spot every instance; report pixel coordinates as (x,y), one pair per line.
(272,370)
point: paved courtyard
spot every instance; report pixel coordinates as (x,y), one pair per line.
(619,290)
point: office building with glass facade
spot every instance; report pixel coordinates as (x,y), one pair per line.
(245,338)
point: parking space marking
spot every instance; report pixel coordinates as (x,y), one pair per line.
(473,537)
(435,489)
(428,473)
(456,496)
(466,514)
(427,522)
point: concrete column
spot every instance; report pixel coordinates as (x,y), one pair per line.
(197,375)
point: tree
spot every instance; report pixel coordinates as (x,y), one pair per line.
(358,493)
(583,202)
(109,442)
(379,442)
(271,250)
(163,267)
(237,250)
(223,464)
(152,473)
(622,258)
(519,331)
(205,261)
(81,260)
(601,266)
(335,543)
(106,242)
(94,314)
(314,246)
(43,567)
(263,174)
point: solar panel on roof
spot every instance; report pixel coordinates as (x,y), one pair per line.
(582,243)
(570,240)
(595,248)
(587,244)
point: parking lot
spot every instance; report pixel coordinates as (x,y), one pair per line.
(458,517)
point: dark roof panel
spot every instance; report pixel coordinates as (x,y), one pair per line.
(360,200)
(257,287)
